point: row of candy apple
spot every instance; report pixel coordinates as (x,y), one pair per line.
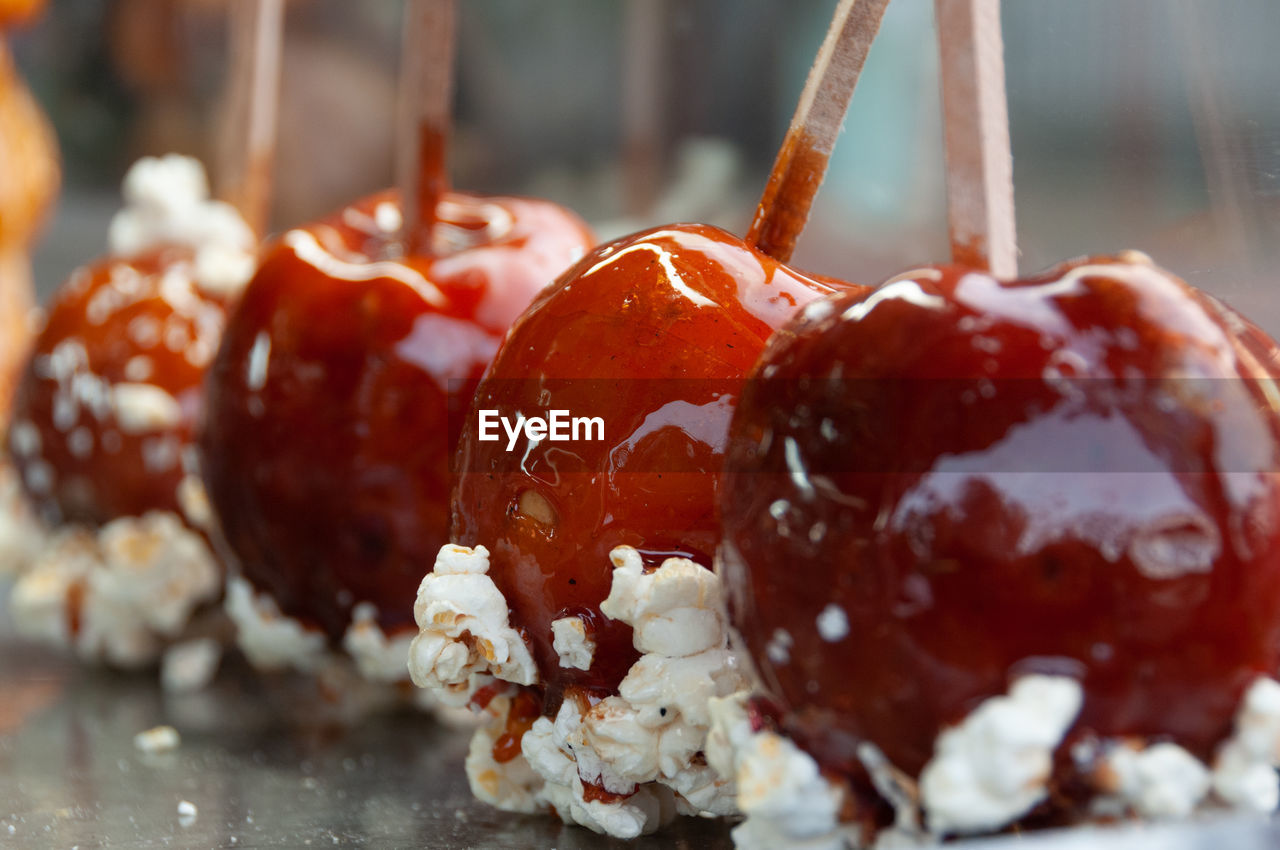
(326,459)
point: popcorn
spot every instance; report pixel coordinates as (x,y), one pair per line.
(119,594)
(464,634)
(190,666)
(159,739)
(993,767)
(548,748)
(1159,781)
(787,801)
(642,747)
(144,407)
(511,786)
(378,657)
(268,638)
(1244,773)
(166,202)
(572,644)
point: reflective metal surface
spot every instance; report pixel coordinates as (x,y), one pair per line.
(268,763)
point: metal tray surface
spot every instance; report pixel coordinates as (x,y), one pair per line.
(267,763)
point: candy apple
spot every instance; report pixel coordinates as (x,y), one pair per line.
(327,442)
(103,425)
(652,334)
(109,397)
(955,481)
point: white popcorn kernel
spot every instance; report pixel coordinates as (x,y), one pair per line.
(40,599)
(80,443)
(24,439)
(378,657)
(833,623)
(992,767)
(778,649)
(1160,781)
(572,644)
(677,614)
(190,666)
(194,501)
(785,798)
(156,563)
(39,476)
(728,733)
(463,626)
(511,786)
(139,368)
(130,588)
(223,270)
(1163,780)
(144,407)
(167,202)
(659,721)
(159,739)
(187,813)
(268,638)
(548,749)
(168,181)
(1244,772)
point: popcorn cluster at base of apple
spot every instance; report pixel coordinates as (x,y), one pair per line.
(992,768)
(782,791)
(639,750)
(119,594)
(272,640)
(1162,781)
(269,639)
(378,656)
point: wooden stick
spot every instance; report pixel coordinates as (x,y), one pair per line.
(643,84)
(257,33)
(1224,153)
(426,116)
(802,161)
(976,130)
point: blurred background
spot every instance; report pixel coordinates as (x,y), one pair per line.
(1150,124)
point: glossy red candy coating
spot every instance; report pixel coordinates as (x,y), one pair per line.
(140,320)
(1095,496)
(652,333)
(326,447)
